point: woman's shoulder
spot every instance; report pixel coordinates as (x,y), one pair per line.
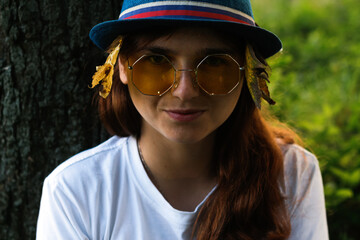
(304,193)
(297,158)
(92,162)
(302,175)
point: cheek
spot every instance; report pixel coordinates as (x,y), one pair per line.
(226,106)
(143,104)
(135,96)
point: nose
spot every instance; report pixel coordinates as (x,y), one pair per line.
(185,86)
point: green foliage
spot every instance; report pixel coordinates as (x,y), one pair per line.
(316,83)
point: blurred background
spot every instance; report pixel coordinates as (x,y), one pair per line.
(46,112)
(316,84)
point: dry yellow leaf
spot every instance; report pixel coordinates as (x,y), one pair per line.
(104,74)
(257,76)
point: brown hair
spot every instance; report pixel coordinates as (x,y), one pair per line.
(247,203)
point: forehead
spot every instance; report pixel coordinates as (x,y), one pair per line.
(191,39)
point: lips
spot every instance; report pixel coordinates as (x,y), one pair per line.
(184,115)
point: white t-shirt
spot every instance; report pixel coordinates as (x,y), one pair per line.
(105,193)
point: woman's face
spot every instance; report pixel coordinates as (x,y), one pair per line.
(184,114)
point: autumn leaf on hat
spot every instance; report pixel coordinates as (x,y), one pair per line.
(257,77)
(104,74)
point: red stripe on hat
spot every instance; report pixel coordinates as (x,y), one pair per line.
(186,13)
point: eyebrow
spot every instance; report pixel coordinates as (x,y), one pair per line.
(159,50)
(208,51)
(201,52)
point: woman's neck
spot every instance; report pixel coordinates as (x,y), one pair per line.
(182,172)
(174,160)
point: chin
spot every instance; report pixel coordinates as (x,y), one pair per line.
(188,137)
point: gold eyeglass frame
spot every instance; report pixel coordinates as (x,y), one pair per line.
(195,70)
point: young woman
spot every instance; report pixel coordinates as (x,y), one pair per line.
(191,157)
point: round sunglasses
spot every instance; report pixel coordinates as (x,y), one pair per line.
(215,74)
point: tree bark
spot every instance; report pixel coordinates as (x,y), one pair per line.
(46,115)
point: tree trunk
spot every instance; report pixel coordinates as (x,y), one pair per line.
(46,63)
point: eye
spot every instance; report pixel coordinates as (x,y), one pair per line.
(215,61)
(157,59)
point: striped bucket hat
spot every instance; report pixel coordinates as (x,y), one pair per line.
(234,15)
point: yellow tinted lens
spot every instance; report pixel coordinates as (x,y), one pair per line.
(153,75)
(218,74)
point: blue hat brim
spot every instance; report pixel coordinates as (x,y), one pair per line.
(103,34)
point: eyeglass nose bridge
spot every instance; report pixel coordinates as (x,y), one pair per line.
(193,78)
